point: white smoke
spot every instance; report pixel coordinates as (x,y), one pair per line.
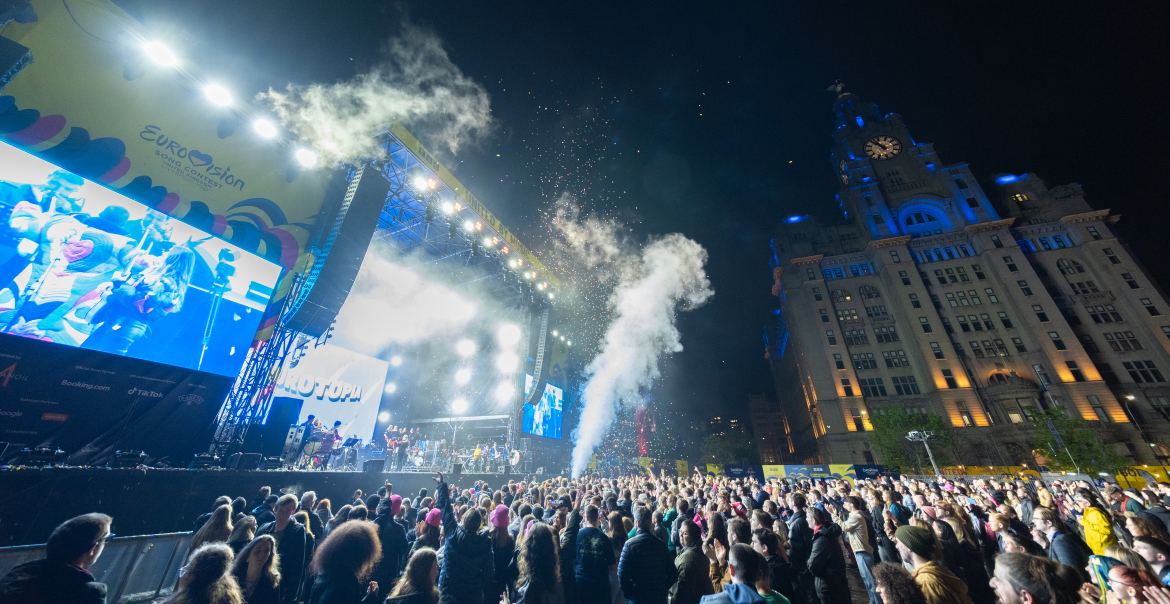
(416,84)
(652,285)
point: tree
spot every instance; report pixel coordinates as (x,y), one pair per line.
(889,439)
(1091,455)
(729,449)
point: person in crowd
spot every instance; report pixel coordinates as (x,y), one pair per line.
(217,529)
(468,565)
(1157,553)
(427,532)
(503,548)
(800,536)
(1129,558)
(646,569)
(568,542)
(308,505)
(207,578)
(1120,502)
(359,513)
(292,546)
(418,582)
(826,561)
(339,518)
(1139,526)
(1094,521)
(242,533)
(1026,579)
(257,570)
(1064,545)
(856,528)
(393,539)
(239,509)
(895,585)
(918,547)
(782,576)
(63,575)
(745,570)
(694,581)
(764,582)
(343,565)
(618,537)
(263,512)
(261,497)
(540,575)
(324,512)
(1130,585)
(203,518)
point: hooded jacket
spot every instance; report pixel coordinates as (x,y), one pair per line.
(939,585)
(826,562)
(468,564)
(736,593)
(1098,530)
(646,569)
(394,545)
(693,580)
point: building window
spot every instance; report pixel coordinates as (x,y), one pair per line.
(1043,375)
(855,337)
(950,379)
(925,279)
(872,387)
(1087,343)
(978,271)
(995,241)
(975,349)
(817,294)
(905,386)
(1003,318)
(1059,241)
(864,360)
(1085,287)
(1133,284)
(1056,341)
(839,362)
(868,292)
(947,325)
(847,314)
(905,279)
(965,414)
(986,318)
(1099,409)
(808,272)
(1161,404)
(1093,233)
(832,340)
(1069,267)
(938,352)
(896,358)
(963,323)
(885,334)
(972,202)
(925,325)
(1166,330)
(1109,254)
(1025,246)
(869,201)
(894,255)
(1153,310)
(1019,345)
(962,183)
(847,387)
(1107,374)
(1143,371)
(840,295)
(1075,371)
(914,301)
(1122,341)
(1010,264)
(1024,287)
(1003,351)
(824,316)
(876,312)
(1103,314)
(860,122)
(1045,243)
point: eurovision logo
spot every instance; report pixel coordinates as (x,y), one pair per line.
(196,165)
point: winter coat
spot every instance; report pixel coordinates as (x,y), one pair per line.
(315,525)
(394,547)
(974,574)
(505,575)
(693,581)
(786,580)
(646,569)
(1098,530)
(526,595)
(468,564)
(50,582)
(331,589)
(939,585)
(263,515)
(800,538)
(826,562)
(265,592)
(568,556)
(294,557)
(1070,550)
(736,593)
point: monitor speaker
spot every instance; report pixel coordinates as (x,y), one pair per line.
(374,466)
(244,461)
(268,438)
(270,463)
(457,469)
(202,461)
(349,248)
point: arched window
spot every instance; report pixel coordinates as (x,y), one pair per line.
(920,218)
(997,379)
(841,295)
(1069,267)
(868,292)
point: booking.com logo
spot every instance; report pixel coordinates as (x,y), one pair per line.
(84,385)
(141,392)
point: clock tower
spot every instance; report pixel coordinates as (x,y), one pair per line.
(893,184)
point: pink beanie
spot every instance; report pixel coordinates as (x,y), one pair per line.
(395,504)
(499,516)
(434,517)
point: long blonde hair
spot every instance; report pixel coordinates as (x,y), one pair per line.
(417,577)
(218,528)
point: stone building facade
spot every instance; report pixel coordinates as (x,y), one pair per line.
(940,294)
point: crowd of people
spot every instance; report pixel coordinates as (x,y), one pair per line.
(647,539)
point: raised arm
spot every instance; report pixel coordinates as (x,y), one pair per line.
(443,502)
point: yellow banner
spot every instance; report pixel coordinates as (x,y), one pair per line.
(774,472)
(714,469)
(644,462)
(1138,477)
(592,465)
(683,469)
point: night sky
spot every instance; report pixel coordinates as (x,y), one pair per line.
(712,119)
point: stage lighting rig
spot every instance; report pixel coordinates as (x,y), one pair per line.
(508,335)
(218,94)
(448,208)
(459,405)
(264,128)
(468,226)
(507,362)
(306,157)
(391,388)
(463,376)
(161,54)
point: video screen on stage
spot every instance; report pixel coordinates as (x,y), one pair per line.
(543,418)
(82,266)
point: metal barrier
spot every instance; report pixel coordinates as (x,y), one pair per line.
(134,569)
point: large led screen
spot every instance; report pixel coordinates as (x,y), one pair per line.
(83,266)
(543,418)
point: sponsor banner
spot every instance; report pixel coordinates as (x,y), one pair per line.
(91,404)
(744,471)
(868,472)
(683,470)
(94,105)
(646,463)
(1138,477)
(773,472)
(592,465)
(714,469)
(336,384)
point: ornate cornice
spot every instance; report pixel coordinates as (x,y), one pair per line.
(807,260)
(877,244)
(845,259)
(933,240)
(1085,216)
(984,227)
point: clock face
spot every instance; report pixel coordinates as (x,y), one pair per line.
(844,172)
(883,147)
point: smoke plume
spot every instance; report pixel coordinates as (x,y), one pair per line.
(416,84)
(651,285)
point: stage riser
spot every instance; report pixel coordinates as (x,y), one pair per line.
(167,501)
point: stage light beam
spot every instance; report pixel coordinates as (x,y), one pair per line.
(509,335)
(217,94)
(161,54)
(391,388)
(448,208)
(465,348)
(463,376)
(459,405)
(420,183)
(306,158)
(505,392)
(395,361)
(264,128)
(507,362)
(384,416)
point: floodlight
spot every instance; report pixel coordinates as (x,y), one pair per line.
(395,361)
(463,376)
(306,157)
(509,335)
(488,241)
(555,333)
(420,183)
(512,263)
(505,391)
(459,405)
(217,94)
(161,54)
(264,128)
(478,226)
(468,225)
(507,362)
(570,343)
(465,348)
(562,337)
(391,388)
(431,184)
(448,208)
(458,206)
(550,296)
(384,416)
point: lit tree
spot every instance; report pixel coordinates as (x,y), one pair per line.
(889,439)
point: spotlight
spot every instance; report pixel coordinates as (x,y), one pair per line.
(465,348)
(550,296)
(217,94)
(458,206)
(384,416)
(512,263)
(507,362)
(562,337)
(520,262)
(459,405)
(264,128)
(555,333)
(478,226)
(161,54)
(463,376)
(420,183)
(487,240)
(391,388)
(468,225)
(395,361)
(495,239)
(504,392)
(504,250)
(432,183)
(306,157)
(509,335)
(569,343)
(448,208)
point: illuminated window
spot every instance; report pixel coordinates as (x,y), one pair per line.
(950,379)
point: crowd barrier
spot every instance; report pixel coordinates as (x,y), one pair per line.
(134,569)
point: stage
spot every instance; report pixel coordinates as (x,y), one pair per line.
(149,501)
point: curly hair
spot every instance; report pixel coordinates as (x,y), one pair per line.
(538,561)
(352,548)
(417,577)
(207,578)
(898,584)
